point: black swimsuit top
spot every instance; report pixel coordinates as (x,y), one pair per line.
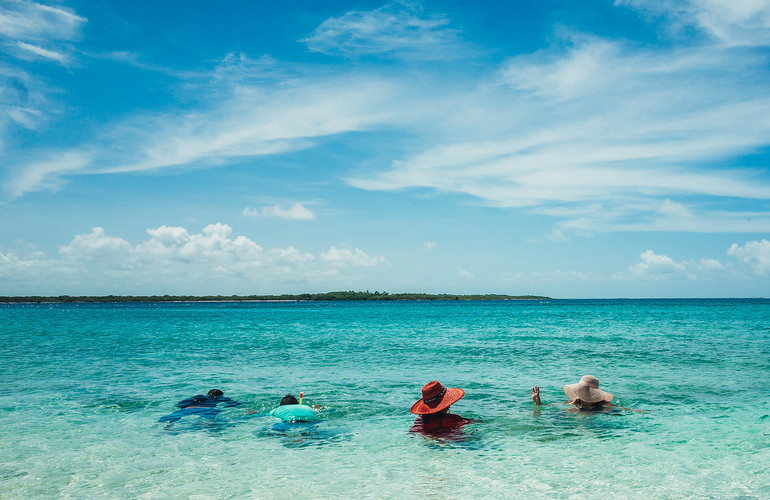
(588,406)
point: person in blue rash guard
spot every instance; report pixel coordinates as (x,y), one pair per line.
(200,405)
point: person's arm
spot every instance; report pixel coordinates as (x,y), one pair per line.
(535,393)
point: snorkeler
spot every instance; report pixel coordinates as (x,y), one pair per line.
(585,395)
(200,405)
(290,410)
(433,409)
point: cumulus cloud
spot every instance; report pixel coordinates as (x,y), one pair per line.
(343,257)
(662,267)
(429,245)
(296,211)
(174,260)
(95,246)
(398,29)
(755,254)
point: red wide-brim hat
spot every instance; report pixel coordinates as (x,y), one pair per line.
(435,398)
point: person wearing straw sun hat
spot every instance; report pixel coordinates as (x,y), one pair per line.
(433,409)
(585,395)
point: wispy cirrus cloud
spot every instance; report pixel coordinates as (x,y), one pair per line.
(600,135)
(35,21)
(31,31)
(398,29)
(297,211)
(33,51)
(733,22)
(45,172)
(239,119)
(256,120)
(174,260)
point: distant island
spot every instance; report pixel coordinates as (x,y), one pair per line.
(309,297)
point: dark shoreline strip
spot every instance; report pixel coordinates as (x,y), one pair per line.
(303,297)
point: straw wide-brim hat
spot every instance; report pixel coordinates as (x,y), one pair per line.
(436,397)
(587,391)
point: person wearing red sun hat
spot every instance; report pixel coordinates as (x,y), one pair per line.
(433,409)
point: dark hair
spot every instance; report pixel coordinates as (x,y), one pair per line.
(216,393)
(289,400)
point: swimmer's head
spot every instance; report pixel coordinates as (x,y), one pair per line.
(215,393)
(289,400)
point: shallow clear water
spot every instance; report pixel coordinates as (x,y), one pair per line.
(85,385)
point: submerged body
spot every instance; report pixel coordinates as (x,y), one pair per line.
(439,423)
(201,406)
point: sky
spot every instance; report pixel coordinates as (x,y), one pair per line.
(591,149)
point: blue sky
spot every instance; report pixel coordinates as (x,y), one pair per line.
(568,149)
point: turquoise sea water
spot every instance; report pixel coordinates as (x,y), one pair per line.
(85,385)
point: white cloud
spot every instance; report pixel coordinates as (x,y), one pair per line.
(14,268)
(96,246)
(22,100)
(33,21)
(429,245)
(602,135)
(38,32)
(173,260)
(754,253)
(296,211)
(252,120)
(46,172)
(465,274)
(575,73)
(565,140)
(40,52)
(655,264)
(242,119)
(343,257)
(662,267)
(398,29)
(674,209)
(733,22)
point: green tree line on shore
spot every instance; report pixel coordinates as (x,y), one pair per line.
(327,296)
